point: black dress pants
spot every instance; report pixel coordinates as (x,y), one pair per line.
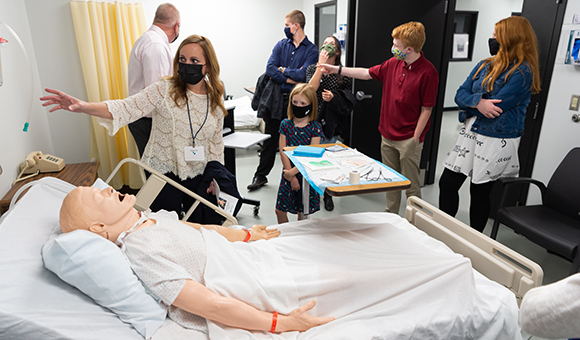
(141,130)
(270,148)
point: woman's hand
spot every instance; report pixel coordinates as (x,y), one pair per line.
(487,108)
(260,232)
(295,184)
(327,69)
(327,95)
(299,320)
(210,189)
(288,174)
(62,101)
(323,57)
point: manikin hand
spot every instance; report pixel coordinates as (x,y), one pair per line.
(260,232)
(327,95)
(62,101)
(487,107)
(299,320)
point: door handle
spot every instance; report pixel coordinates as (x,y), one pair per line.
(360,95)
(576,118)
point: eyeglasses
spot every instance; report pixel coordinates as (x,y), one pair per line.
(370,177)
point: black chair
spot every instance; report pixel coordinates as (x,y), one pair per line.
(555,224)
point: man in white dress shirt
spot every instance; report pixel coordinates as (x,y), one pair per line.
(151,59)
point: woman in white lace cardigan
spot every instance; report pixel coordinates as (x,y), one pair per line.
(188,113)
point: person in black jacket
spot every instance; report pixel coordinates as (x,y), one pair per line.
(286,66)
(335,99)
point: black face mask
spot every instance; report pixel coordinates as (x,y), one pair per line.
(301,111)
(190,73)
(493,46)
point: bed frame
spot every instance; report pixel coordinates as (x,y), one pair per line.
(492,259)
(489,257)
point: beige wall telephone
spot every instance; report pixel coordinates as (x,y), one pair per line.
(38,161)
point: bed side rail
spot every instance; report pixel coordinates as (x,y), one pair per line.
(491,258)
(156,182)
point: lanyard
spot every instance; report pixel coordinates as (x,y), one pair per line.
(189,116)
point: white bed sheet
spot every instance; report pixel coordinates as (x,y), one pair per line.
(244,115)
(413,288)
(34,303)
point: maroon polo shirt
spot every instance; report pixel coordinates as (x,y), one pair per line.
(406,88)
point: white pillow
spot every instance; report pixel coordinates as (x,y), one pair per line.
(99,269)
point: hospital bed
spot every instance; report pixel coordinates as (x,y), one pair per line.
(35,303)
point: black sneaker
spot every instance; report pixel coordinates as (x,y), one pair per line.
(257,182)
(328,203)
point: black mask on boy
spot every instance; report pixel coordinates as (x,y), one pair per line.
(493,46)
(301,111)
(190,73)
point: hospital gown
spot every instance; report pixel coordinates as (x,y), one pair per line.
(164,256)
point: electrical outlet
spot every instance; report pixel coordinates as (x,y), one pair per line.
(574,102)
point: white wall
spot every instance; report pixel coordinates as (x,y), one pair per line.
(59,67)
(490,12)
(559,134)
(15,96)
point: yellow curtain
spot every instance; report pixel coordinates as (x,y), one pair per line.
(105,34)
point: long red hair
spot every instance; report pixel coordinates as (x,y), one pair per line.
(517,44)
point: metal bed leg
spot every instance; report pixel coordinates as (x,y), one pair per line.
(305,198)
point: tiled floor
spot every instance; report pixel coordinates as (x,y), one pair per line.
(555,268)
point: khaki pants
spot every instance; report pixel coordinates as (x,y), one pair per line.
(402,156)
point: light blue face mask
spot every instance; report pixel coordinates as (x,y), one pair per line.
(399,54)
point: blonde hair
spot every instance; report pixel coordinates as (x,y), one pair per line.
(215,88)
(411,34)
(518,44)
(309,93)
(297,17)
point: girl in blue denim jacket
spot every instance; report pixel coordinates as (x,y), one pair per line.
(492,102)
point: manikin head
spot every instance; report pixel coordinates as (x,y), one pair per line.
(104,212)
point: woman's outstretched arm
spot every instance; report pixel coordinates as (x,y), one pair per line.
(63,101)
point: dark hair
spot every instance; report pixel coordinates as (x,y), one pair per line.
(337,62)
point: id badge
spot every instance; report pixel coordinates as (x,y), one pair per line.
(194,153)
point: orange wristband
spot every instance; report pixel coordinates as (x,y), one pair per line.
(248,235)
(274,321)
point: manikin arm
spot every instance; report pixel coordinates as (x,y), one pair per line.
(258,232)
(197,299)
